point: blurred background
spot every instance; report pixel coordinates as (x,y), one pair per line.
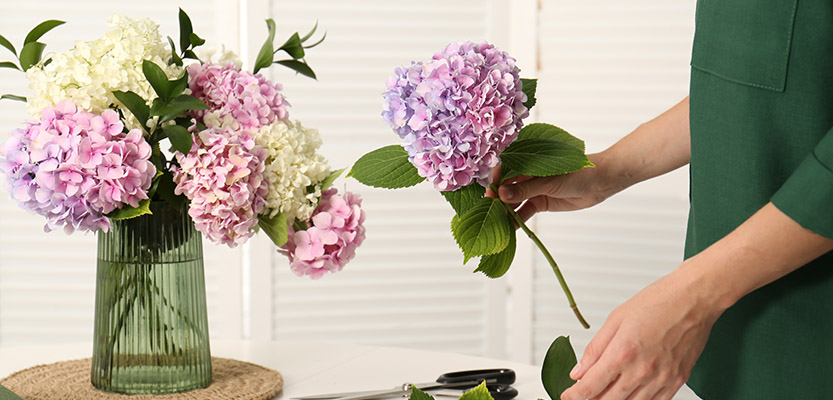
(604,67)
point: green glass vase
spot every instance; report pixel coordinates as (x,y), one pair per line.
(151,325)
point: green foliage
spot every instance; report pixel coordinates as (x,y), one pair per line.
(10,65)
(496,265)
(157,79)
(542,157)
(465,197)
(41,29)
(482,230)
(328,181)
(294,47)
(31,54)
(479,392)
(7,44)
(32,50)
(135,104)
(529,86)
(559,361)
(128,212)
(417,394)
(387,167)
(299,67)
(165,188)
(274,227)
(547,131)
(13,97)
(180,138)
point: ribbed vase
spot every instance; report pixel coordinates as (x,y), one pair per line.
(151,325)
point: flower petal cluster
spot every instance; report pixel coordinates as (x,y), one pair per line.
(292,166)
(73,167)
(337,230)
(222,175)
(89,72)
(457,112)
(250,98)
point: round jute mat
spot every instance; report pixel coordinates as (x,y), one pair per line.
(70,380)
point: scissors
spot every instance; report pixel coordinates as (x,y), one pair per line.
(497,381)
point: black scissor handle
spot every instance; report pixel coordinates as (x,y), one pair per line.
(497,375)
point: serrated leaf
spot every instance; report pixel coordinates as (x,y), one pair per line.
(529,86)
(483,230)
(7,64)
(185,30)
(479,392)
(293,46)
(40,30)
(275,227)
(542,157)
(128,212)
(157,79)
(267,52)
(387,167)
(417,394)
(31,54)
(135,104)
(7,44)
(180,138)
(464,198)
(328,181)
(13,97)
(299,67)
(547,131)
(496,265)
(559,361)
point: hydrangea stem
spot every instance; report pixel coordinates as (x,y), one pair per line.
(549,258)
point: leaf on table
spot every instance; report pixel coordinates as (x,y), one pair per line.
(387,168)
(482,230)
(559,361)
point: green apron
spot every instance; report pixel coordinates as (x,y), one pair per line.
(761,112)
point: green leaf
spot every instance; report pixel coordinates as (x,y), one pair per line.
(13,97)
(479,392)
(175,59)
(185,30)
(7,64)
(310,33)
(483,230)
(559,361)
(293,46)
(135,104)
(547,131)
(7,44)
(387,167)
(128,212)
(190,54)
(180,138)
(40,30)
(317,43)
(31,54)
(157,79)
(275,227)
(464,198)
(178,86)
(196,41)
(328,181)
(417,394)
(529,86)
(172,109)
(266,54)
(166,191)
(496,265)
(299,67)
(542,157)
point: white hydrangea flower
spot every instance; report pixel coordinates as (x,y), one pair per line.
(89,72)
(291,167)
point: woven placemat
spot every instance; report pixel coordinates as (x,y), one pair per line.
(70,380)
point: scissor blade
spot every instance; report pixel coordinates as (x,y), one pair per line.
(365,394)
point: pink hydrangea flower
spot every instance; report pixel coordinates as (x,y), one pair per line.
(249,98)
(457,112)
(73,167)
(336,230)
(223,177)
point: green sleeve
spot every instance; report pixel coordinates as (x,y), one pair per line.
(807,195)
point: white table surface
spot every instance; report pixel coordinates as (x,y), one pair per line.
(314,368)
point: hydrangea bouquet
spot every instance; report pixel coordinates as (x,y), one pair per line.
(128,119)
(460,116)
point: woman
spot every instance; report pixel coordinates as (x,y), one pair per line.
(747,315)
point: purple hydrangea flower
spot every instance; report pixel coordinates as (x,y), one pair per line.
(250,99)
(73,167)
(457,112)
(223,177)
(336,230)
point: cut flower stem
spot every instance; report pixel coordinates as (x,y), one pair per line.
(549,258)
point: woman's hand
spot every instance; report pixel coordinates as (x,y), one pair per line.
(648,345)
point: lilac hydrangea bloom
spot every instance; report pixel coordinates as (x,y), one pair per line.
(74,167)
(457,112)
(249,98)
(336,231)
(223,177)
